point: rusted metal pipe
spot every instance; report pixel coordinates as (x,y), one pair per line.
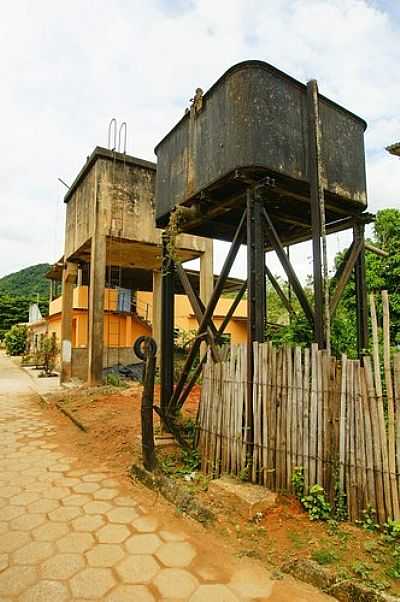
(148,451)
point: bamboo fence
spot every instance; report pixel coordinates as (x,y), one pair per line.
(336,418)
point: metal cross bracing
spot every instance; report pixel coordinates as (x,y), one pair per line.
(255,229)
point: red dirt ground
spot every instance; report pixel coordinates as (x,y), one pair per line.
(284,532)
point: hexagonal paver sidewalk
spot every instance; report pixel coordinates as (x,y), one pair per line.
(70,533)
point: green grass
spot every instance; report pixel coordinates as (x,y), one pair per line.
(324,556)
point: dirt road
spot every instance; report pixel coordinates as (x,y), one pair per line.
(71,530)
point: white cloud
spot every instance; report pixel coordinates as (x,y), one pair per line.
(67,68)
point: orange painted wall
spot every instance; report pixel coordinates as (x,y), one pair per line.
(54,325)
(119,330)
(185,319)
(80,300)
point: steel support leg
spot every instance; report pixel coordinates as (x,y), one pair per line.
(167,329)
(256,298)
(361,292)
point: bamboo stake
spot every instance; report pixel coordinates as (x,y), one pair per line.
(325,432)
(231,428)
(333,428)
(273,420)
(396,370)
(236,404)
(314,414)
(265,433)
(262,361)
(216,403)
(306,418)
(262,405)
(244,458)
(256,413)
(223,445)
(210,420)
(381,492)
(342,430)
(227,416)
(381,415)
(289,467)
(359,442)
(205,417)
(368,440)
(298,409)
(351,488)
(293,417)
(390,404)
(320,424)
(279,420)
(267,378)
(237,408)
(284,419)
(262,368)
(232,401)
(348,435)
(218,417)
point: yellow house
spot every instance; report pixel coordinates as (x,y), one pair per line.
(120,328)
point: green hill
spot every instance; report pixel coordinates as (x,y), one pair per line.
(27,282)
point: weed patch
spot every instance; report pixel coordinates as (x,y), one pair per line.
(324,557)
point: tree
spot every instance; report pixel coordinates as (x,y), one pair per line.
(28,282)
(384,272)
(15,340)
(14,309)
(381,272)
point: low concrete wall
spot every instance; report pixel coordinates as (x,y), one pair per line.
(111,356)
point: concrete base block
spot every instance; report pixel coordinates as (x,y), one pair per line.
(249,498)
(166,441)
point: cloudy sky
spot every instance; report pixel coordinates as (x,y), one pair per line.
(66,68)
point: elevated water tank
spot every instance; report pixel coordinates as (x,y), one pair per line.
(253,123)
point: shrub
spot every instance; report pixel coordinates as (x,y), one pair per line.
(368,520)
(113,379)
(392,530)
(15,340)
(298,481)
(316,504)
(49,351)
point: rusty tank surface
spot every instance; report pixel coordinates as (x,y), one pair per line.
(250,125)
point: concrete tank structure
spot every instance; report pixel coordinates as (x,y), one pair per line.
(110,235)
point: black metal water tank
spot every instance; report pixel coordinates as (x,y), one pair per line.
(254,120)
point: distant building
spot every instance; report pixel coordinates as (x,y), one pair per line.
(394,149)
(37,327)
